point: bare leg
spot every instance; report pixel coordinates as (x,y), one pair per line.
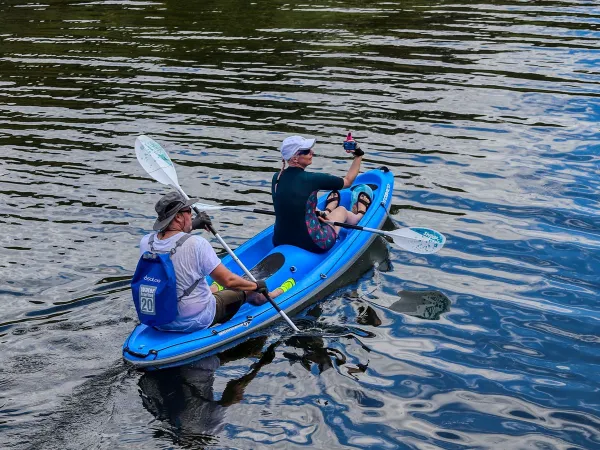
(352,218)
(341,214)
(256,299)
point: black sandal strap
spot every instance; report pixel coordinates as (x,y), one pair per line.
(362,201)
(331,198)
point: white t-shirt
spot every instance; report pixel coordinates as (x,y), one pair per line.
(194,260)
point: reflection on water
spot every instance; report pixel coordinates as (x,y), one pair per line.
(313,351)
(487,114)
(426,305)
(183,397)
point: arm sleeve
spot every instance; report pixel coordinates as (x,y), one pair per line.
(326,182)
(144,247)
(207,258)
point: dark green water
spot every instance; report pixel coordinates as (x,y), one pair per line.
(486,112)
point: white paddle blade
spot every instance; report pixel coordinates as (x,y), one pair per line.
(155,160)
(207,207)
(418,240)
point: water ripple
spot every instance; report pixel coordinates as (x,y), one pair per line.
(486,113)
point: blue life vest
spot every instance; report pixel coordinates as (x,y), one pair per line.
(153,285)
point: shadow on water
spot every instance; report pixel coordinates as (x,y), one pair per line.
(315,354)
(429,305)
(423,304)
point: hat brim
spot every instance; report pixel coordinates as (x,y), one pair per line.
(160,224)
(312,144)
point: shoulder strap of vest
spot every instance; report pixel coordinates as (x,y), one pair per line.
(189,290)
(180,242)
(151,242)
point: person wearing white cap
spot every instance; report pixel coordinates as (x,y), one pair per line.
(294,192)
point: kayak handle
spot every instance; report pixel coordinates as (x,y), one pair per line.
(141,355)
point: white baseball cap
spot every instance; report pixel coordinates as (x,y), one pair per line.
(292,144)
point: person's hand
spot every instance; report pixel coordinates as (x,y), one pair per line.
(261,287)
(358,152)
(201,221)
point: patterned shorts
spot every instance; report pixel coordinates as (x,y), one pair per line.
(322,234)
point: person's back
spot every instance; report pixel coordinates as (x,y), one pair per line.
(294,201)
(194,260)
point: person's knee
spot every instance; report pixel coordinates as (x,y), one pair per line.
(339,214)
(255,299)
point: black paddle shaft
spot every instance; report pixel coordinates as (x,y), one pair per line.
(347,225)
(258,211)
(339,224)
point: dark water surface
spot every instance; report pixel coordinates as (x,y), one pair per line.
(487,113)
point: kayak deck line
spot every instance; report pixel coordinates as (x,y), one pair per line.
(312,273)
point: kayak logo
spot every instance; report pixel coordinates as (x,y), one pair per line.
(386,193)
(152,280)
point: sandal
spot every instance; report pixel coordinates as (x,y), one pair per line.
(363,199)
(334,196)
(361,195)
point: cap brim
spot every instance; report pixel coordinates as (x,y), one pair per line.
(310,142)
(160,224)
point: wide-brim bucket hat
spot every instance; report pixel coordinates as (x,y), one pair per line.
(167,208)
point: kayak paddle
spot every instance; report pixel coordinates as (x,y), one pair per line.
(156,162)
(424,241)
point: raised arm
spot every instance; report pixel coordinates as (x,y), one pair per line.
(353,171)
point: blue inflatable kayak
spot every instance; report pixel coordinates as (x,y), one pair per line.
(306,274)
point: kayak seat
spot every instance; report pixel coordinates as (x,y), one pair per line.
(305,262)
(277,268)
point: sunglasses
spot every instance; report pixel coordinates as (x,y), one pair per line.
(305,152)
